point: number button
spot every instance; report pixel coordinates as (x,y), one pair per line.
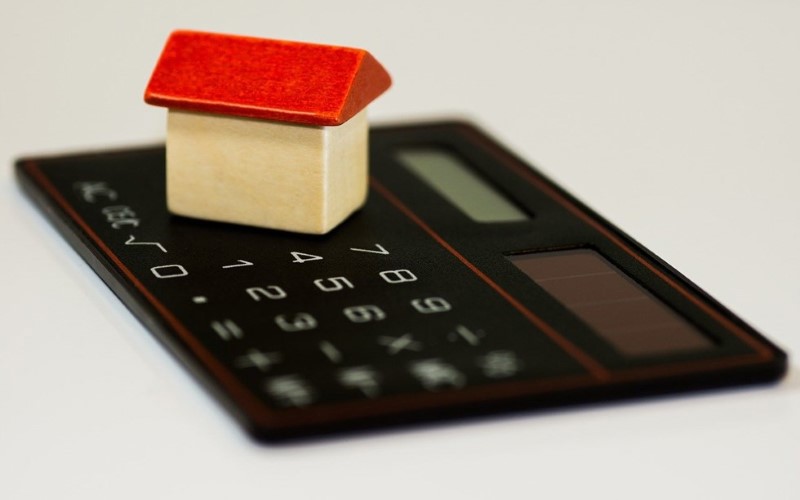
(239,263)
(379,249)
(431,305)
(300,257)
(396,276)
(299,322)
(333,284)
(272,292)
(169,271)
(364,314)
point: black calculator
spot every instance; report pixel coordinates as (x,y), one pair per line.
(469,284)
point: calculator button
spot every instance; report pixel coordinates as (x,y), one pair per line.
(254,358)
(431,305)
(290,390)
(90,191)
(396,276)
(364,314)
(334,284)
(296,323)
(435,374)
(169,271)
(330,351)
(301,258)
(239,263)
(379,249)
(500,364)
(120,215)
(227,329)
(272,292)
(463,334)
(396,345)
(363,378)
(132,241)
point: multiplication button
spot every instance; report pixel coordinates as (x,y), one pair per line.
(396,345)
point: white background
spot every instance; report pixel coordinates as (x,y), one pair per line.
(679,121)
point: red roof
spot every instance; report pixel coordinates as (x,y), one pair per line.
(269,79)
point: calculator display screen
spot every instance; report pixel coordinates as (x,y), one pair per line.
(455,181)
(617,308)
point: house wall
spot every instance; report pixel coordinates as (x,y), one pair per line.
(263,173)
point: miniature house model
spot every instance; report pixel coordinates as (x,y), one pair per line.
(263,132)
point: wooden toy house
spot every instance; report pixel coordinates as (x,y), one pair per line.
(265,132)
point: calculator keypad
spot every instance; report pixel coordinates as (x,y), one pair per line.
(371,324)
(303,321)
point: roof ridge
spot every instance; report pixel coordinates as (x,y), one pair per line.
(281,80)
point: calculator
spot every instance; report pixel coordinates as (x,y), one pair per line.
(469,284)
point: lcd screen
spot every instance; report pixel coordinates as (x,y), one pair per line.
(457,183)
(618,309)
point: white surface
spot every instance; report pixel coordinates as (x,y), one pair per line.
(679,121)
